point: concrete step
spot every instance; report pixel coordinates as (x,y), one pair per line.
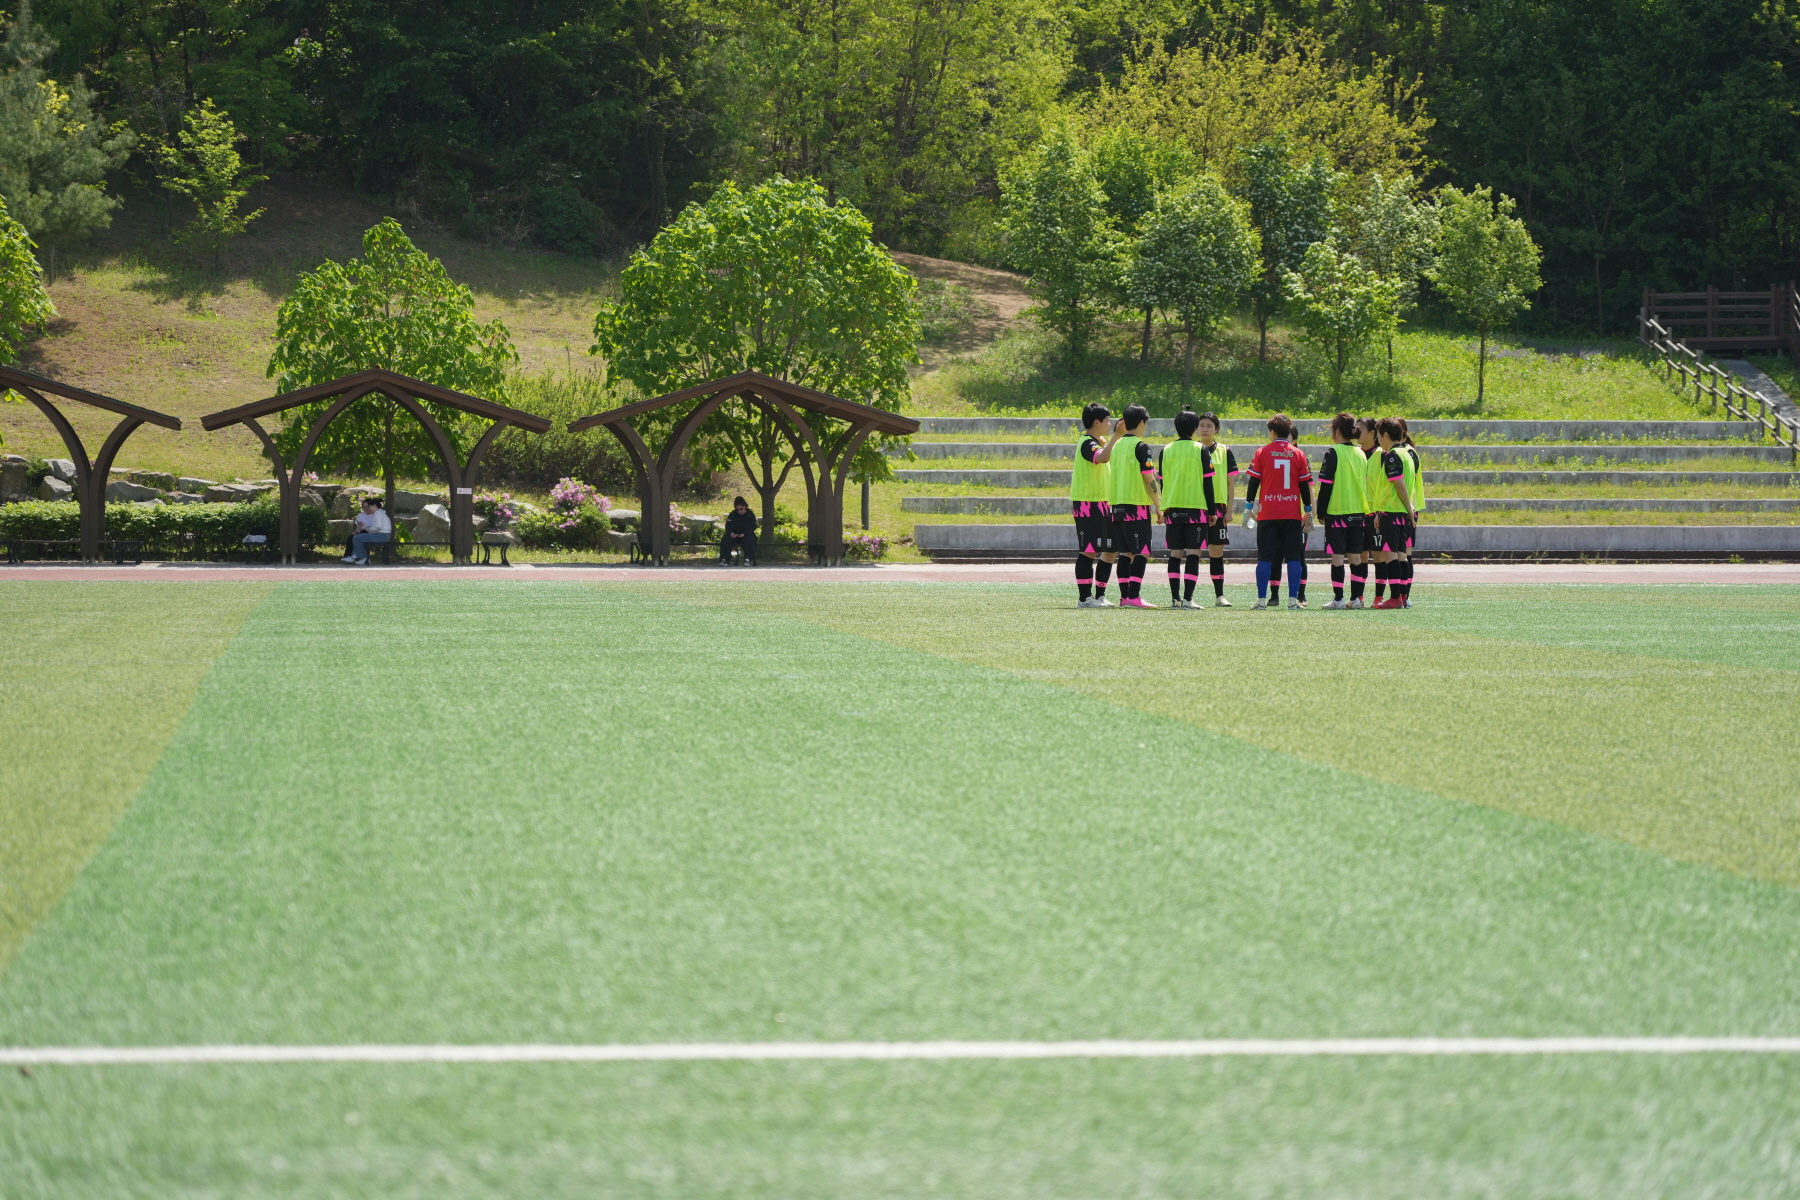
(1545,452)
(1060,479)
(1056,506)
(1051,541)
(1257,428)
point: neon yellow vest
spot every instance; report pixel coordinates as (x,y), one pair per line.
(1221,463)
(1415,478)
(1127,483)
(1088,481)
(1349,482)
(1184,478)
(1379,495)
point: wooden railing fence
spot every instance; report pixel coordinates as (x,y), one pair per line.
(1720,387)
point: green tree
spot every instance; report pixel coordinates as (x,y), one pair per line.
(1132,170)
(23,300)
(1487,264)
(1196,255)
(395,308)
(1396,236)
(1059,233)
(1290,207)
(206,168)
(1342,304)
(54,149)
(775,279)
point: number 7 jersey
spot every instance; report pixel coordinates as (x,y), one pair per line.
(1279,469)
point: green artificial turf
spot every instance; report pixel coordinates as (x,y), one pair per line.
(432,811)
(97,677)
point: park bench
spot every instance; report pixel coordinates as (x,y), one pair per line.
(17,548)
(388,547)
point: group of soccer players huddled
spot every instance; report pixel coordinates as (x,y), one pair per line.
(1370,492)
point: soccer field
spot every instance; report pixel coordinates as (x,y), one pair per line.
(415,813)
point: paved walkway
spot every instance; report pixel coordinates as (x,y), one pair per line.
(1045,573)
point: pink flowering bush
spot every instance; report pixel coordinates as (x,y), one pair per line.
(866,547)
(498,509)
(570,500)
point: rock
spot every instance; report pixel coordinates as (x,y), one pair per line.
(348,501)
(340,531)
(230,493)
(620,541)
(311,499)
(327,491)
(701,530)
(521,507)
(187,498)
(499,537)
(162,481)
(123,490)
(433,524)
(621,517)
(15,479)
(412,502)
(481,522)
(54,489)
(187,483)
(62,468)
(407,523)
(7,459)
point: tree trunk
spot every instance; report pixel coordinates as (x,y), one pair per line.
(387,458)
(1390,345)
(1187,367)
(1144,354)
(50,275)
(1262,330)
(1481,369)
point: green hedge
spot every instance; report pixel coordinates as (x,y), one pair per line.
(166,528)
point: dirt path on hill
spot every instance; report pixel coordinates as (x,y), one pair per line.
(1001,293)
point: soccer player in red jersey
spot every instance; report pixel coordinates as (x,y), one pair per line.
(1280,490)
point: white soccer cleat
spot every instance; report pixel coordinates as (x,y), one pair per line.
(1261,603)
(1337,604)
(1296,604)
(1221,602)
(1356,603)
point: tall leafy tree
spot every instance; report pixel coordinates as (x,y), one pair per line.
(1290,207)
(775,279)
(1196,256)
(1487,264)
(1396,236)
(23,300)
(1059,232)
(1132,170)
(395,308)
(204,165)
(55,150)
(1342,303)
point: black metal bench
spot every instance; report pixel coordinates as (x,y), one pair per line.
(121,547)
(388,547)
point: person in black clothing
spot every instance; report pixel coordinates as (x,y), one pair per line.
(740,533)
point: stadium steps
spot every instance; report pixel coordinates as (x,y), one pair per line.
(975,477)
(1541,452)
(1056,506)
(1237,429)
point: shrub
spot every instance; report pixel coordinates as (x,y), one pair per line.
(537,460)
(946,311)
(164,528)
(866,547)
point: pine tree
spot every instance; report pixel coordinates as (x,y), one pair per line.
(54,149)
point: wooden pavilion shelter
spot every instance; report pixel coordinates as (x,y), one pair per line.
(90,475)
(406,392)
(825,464)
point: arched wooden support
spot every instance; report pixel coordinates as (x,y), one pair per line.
(824,465)
(406,392)
(90,476)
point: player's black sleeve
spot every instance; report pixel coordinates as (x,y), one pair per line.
(1327,472)
(1390,463)
(1143,457)
(1090,449)
(1250,490)
(1306,493)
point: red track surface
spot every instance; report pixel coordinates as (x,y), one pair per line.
(1046,573)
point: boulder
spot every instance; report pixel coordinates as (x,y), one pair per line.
(620,541)
(162,481)
(340,531)
(406,522)
(412,502)
(187,483)
(311,499)
(54,489)
(348,502)
(13,458)
(123,490)
(702,529)
(481,522)
(327,491)
(232,493)
(15,479)
(62,468)
(433,524)
(187,498)
(621,517)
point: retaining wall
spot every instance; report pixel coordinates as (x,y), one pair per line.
(1258,428)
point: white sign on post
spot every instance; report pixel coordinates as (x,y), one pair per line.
(465,491)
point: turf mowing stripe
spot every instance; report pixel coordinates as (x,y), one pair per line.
(98,677)
(1680,757)
(113,1056)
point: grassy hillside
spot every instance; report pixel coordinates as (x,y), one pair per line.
(144,321)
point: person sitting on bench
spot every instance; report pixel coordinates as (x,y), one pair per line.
(373,528)
(740,533)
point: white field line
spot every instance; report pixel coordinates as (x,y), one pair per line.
(801,1051)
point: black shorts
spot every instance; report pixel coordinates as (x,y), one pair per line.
(1186,530)
(1093,526)
(1219,532)
(1131,529)
(1279,541)
(1345,535)
(1396,532)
